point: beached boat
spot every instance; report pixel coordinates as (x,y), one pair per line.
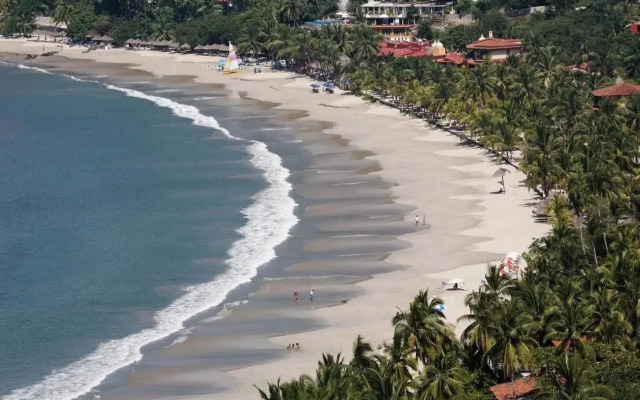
(231,66)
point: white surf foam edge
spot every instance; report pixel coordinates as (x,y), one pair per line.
(269,219)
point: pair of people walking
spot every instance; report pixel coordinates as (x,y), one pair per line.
(295,296)
(424,219)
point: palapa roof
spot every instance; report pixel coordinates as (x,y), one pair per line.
(185,46)
(514,390)
(131,41)
(495,44)
(620,89)
(199,47)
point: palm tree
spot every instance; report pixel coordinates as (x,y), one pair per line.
(422,327)
(573,378)
(400,364)
(442,380)
(252,39)
(570,325)
(292,11)
(511,341)
(539,158)
(365,43)
(62,13)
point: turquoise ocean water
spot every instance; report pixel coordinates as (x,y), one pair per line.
(122,214)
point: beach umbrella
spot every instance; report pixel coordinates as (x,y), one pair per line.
(315,85)
(185,46)
(328,85)
(130,41)
(501,172)
(106,39)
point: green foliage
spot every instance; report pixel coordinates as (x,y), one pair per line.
(82,20)
(425,30)
(215,28)
(457,38)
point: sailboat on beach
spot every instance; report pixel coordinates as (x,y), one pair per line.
(231,66)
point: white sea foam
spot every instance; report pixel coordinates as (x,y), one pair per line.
(166,91)
(226,309)
(268,221)
(44,71)
(206,98)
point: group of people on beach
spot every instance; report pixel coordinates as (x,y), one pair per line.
(295,296)
(424,219)
(293,347)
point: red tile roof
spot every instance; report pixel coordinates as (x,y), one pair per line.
(621,89)
(404,49)
(452,58)
(495,44)
(514,390)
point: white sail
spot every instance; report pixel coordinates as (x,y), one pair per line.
(232,60)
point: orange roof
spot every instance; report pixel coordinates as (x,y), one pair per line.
(495,44)
(514,390)
(452,58)
(621,89)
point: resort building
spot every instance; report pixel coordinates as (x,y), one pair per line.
(496,49)
(394,21)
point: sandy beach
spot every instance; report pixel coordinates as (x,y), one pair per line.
(427,171)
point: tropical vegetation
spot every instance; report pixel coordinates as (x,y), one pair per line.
(573,318)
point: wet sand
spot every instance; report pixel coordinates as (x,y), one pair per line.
(365,171)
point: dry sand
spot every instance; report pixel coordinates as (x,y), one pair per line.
(467,225)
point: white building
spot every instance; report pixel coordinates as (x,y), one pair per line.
(386,13)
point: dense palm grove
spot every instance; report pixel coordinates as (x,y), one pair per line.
(582,284)
(581,289)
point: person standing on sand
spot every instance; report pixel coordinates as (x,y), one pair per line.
(295,297)
(311,295)
(417,219)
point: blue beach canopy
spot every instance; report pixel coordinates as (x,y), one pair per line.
(315,85)
(328,85)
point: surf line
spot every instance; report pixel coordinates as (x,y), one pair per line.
(269,220)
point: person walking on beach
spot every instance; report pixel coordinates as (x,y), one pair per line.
(417,219)
(311,295)
(295,297)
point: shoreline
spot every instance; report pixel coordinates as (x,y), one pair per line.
(428,170)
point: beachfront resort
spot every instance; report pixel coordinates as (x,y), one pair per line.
(545,94)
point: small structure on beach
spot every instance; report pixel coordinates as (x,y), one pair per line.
(496,49)
(520,389)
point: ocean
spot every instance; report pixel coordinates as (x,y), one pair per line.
(123,213)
